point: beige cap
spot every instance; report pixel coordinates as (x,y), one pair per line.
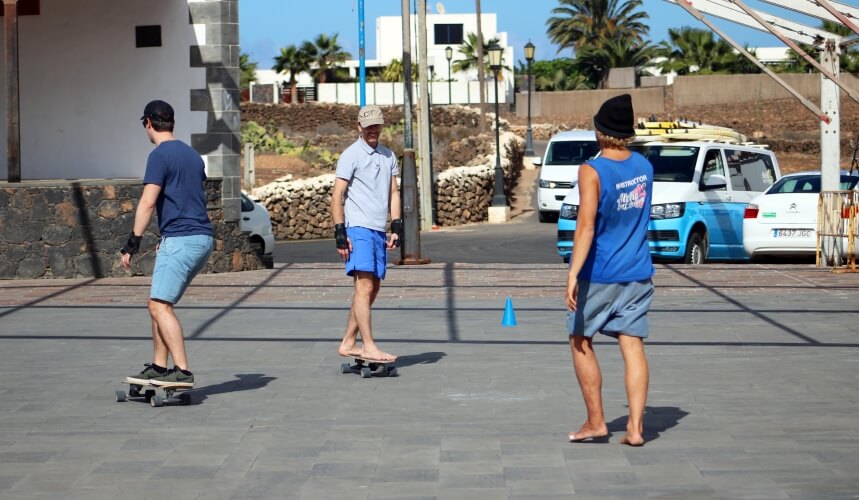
(370,115)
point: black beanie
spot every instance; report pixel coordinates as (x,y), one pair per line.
(615,117)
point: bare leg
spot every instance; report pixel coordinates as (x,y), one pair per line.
(170,331)
(159,348)
(347,346)
(636,378)
(590,380)
(366,289)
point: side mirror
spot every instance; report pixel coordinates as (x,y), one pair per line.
(537,161)
(715,181)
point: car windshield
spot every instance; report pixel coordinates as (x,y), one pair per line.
(670,163)
(571,152)
(808,184)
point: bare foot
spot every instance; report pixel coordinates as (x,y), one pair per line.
(632,440)
(348,351)
(588,432)
(376,355)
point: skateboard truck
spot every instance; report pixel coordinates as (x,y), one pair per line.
(368,369)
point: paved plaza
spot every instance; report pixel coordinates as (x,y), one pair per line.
(754,389)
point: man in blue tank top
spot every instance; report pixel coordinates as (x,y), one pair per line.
(609,287)
(174,186)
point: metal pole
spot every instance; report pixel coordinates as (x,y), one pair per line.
(424,121)
(410,251)
(498,198)
(362,69)
(13,113)
(529,141)
(449,94)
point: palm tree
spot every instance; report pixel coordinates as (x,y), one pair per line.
(248,70)
(293,60)
(596,61)
(393,72)
(468,49)
(692,50)
(325,54)
(562,81)
(577,24)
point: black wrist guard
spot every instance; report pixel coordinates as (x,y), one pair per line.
(340,236)
(132,246)
(397,228)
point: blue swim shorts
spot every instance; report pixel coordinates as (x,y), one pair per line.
(612,309)
(369,253)
(178,260)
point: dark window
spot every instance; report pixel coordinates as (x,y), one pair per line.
(148,36)
(25,8)
(671,163)
(448,34)
(571,152)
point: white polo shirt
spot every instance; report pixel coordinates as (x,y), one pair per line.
(369,172)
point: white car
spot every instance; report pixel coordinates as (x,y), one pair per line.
(559,168)
(256,222)
(783,220)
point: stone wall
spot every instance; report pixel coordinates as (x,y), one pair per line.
(300,209)
(75,229)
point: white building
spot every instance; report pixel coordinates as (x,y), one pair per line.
(443,30)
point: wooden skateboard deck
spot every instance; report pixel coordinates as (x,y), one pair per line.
(150,394)
(368,368)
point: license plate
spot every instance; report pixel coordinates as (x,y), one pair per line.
(793,233)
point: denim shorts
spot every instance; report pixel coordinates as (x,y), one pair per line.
(369,252)
(612,309)
(178,260)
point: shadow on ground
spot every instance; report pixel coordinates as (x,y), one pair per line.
(426,358)
(243,382)
(657,419)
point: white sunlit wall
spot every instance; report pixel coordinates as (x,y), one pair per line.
(84,83)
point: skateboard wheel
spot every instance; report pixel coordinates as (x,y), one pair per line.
(156,401)
(392,372)
(120,396)
(366,372)
(344,368)
(185,399)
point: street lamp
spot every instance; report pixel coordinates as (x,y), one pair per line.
(529,141)
(448,53)
(498,198)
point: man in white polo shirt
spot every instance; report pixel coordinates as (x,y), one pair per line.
(365,192)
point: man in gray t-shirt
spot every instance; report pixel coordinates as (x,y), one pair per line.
(365,192)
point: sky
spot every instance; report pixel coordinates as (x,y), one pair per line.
(267,25)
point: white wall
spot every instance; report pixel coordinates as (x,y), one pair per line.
(84,85)
(387,94)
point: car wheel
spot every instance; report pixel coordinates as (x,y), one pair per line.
(257,247)
(696,249)
(545,216)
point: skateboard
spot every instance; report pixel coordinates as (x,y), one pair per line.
(367,368)
(150,394)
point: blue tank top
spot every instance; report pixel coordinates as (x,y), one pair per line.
(619,253)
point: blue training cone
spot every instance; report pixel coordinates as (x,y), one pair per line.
(509,318)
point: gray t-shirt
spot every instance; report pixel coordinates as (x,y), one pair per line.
(369,173)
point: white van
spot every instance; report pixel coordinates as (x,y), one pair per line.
(560,168)
(700,192)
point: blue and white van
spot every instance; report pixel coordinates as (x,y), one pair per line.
(700,190)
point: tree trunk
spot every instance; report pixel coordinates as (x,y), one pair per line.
(480,70)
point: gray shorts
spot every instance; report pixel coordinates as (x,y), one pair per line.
(611,309)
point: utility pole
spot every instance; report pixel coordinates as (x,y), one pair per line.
(424,120)
(362,68)
(480,72)
(411,248)
(13,129)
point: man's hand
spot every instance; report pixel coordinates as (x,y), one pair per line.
(344,245)
(572,292)
(131,247)
(396,233)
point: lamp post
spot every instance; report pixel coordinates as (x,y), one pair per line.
(448,53)
(529,141)
(498,198)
